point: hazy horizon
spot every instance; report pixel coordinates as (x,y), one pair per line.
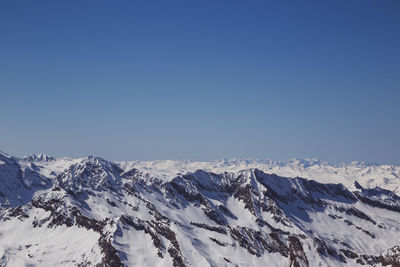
(199,160)
(201,80)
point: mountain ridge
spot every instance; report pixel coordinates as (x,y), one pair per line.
(368,175)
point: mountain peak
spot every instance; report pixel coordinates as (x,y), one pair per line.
(92,173)
(38,157)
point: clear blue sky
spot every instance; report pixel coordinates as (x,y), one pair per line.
(201,79)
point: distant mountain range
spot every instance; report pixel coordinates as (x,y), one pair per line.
(94,212)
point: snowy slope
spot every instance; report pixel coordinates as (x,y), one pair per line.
(90,211)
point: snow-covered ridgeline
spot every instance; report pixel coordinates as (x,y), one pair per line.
(368,175)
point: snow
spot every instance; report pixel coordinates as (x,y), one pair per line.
(26,245)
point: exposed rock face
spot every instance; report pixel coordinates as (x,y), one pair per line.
(38,158)
(99,214)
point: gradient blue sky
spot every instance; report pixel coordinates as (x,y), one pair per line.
(201,79)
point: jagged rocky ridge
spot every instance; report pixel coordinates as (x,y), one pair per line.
(97,213)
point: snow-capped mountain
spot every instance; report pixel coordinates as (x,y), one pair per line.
(90,211)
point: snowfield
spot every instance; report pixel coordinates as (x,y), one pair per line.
(93,212)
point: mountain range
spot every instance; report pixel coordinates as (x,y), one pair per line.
(93,212)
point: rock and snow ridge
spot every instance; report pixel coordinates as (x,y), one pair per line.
(369,175)
(93,212)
